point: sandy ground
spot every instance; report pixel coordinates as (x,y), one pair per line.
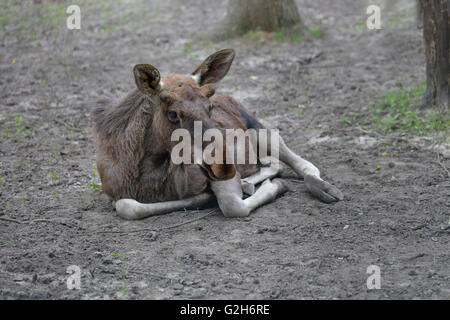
(396,217)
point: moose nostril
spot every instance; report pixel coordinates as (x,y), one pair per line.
(172,115)
(164,97)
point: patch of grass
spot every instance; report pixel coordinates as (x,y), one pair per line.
(349,118)
(396,111)
(109,28)
(23,198)
(360,25)
(93,185)
(189,49)
(53,176)
(20,127)
(395,21)
(53,14)
(30,20)
(281,35)
(124,276)
(55,151)
(399,110)
(315,32)
(411,8)
(3,21)
(263,116)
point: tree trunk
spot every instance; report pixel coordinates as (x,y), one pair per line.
(265,15)
(436,30)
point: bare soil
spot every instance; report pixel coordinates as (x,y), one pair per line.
(396,212)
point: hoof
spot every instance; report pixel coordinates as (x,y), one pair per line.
(323,190)
(282,187)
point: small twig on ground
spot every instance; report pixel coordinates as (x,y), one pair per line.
(368,132)
(10,220)
(64,223)
(164,228)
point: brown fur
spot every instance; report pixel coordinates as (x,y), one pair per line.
(133,133)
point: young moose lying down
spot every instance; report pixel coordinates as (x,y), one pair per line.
(134,147)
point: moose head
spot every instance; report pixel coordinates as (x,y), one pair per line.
(182,100)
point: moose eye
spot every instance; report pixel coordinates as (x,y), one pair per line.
(173,116)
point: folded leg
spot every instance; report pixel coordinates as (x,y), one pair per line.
(229,196)
(132,210)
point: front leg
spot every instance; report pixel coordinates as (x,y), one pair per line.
(314,183)
(323,190)
(229,196)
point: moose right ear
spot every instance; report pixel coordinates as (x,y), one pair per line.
(147,78)
(214,68)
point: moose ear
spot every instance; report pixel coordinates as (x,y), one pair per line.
(214,68)
(147,78)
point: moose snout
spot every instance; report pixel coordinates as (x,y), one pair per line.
(219,171)
(216,165)
(214,168)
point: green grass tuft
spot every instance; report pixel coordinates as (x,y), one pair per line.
(280,35)
(315,32)
(396,111)
(399,110)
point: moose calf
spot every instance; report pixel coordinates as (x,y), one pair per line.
(134,139)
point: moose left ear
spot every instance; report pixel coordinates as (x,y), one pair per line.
(214,68)
(147,78)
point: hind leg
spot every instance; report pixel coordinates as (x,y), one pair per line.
(229,196)
(132,210)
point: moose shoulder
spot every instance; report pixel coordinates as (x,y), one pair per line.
(134,146)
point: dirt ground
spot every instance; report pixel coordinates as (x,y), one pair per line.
(396,212)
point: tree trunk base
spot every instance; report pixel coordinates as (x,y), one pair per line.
(259,15)
(436,31)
